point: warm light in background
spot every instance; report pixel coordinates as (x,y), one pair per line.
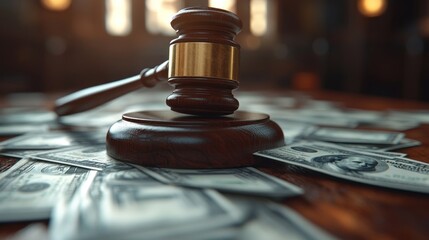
(159,14)
(229,5)
(118,17)
(372,8)
(258,17)
(56,5)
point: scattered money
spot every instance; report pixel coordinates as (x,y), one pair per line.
(93,157)
(19,129)
(421,116)
(25,115)
(20,153)
(387,154)
(93,119)
(292,130)
(114,210)
(53,139)
(322,105)
(276,222)
(392,124)
(404,143)
(343,135)
(363,167)
(361,116)
(30,189)
(237,180)
(119,201)
(320,120)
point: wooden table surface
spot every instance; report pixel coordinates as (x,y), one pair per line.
(346,209)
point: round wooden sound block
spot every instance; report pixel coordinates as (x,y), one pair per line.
(174,140)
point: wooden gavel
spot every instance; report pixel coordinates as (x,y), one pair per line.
(203,67)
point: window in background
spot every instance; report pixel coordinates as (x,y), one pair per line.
(372,8)
(118,17)
(229,5)
(56,5)
(258,17)
(159,14)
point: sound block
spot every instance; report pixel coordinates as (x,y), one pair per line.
(174,140)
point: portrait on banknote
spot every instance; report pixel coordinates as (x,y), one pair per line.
(349,163)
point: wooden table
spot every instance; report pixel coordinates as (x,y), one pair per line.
(346,209)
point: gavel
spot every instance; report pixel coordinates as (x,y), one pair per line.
(203,130)
(203,67)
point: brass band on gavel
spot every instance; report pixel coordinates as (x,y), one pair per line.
(203,59)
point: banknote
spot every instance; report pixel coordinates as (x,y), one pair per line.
(315,119)
(20,153)
(363,167)
(344,135)
(19,129)
(421,116)
(118,210)
(404,143)
(292,129)
(30,189)
(277,222)
(246,180)
(392,124)
(90,157)
(53,139)
(320,105)
(17,115)
(361,115)
(387,154)
(93,119)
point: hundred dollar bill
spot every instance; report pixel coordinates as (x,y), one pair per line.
(388,154)
(92,157)
(363,167)
(108,209)
(30,189)
(292,129)
(421,116)
(392,124)
(53,139)
(94,119)
(404,143)
(301,116)
(20,153)
(237,180)
(18,129)
(343,135)
(276,222)
(18,115)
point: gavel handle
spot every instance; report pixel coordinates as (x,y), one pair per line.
(94,96)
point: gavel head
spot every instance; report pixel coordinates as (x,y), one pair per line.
(204,62)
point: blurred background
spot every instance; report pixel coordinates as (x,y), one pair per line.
(375,47)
